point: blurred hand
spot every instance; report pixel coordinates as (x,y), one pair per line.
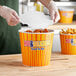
(53,11)
(10,15)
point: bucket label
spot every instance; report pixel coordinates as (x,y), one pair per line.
(68,15)
(37,45)
(37,48)
(72,41)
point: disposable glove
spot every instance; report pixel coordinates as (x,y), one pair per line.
(53,11)
(10,15)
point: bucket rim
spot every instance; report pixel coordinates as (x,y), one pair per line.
(66,9)
(51,31)
(67,34)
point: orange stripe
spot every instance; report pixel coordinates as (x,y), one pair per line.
(31,53)
(26,50)
(40,51)
(23,49)
(29,50)
(21,42)
(36,55)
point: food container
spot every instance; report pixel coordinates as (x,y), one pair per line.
(36,48)
(39,6)
(66,15)
(68,44)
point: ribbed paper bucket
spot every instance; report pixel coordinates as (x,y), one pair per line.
(36,48)
(68,44)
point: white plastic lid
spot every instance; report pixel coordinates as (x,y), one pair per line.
(66,9)
(36,20)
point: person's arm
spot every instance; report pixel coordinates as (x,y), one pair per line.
(45,2)
(53,10)
(10,15)
(0,6)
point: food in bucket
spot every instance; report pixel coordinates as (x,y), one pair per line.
(45,30)
(28,31)
(38,31)
(68,31)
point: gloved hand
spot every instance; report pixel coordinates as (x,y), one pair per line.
(53,11)
(10,15)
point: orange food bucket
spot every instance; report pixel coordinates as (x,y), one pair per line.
(66,15)
(68,44)
(36,48)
